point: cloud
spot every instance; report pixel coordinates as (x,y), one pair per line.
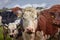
(34,5)
(39,5)
(3,3)
(6,1)
(16,5)
(27,5)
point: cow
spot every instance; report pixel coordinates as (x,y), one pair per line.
(56,9)
(29,23)
(17,11)
(11,24)
(7,17)
(49,23)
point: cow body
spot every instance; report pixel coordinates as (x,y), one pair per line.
(8,17)
(11,21)
(48,23)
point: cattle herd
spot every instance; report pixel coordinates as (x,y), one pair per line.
(29,24)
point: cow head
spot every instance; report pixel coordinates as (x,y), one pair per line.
(56,18)
(19,13)
(30,19)
(13,30)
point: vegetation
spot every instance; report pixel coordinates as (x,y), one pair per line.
(1,34)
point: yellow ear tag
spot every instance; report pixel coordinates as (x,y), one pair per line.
(52,16)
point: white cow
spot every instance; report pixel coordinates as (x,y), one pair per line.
(29,23)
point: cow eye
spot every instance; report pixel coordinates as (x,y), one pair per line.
(35,18)
(13,31)
(24,18)
(52,14)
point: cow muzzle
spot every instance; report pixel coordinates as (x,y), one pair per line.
(29,30)
(11,36)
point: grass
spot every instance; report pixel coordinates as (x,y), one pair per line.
(1,34)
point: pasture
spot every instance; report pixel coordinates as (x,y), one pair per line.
(1,34)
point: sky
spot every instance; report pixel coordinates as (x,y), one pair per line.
(11,3)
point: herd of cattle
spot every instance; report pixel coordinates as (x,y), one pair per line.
(24,24)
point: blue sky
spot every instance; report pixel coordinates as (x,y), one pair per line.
(10,3)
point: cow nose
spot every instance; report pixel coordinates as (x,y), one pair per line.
(29,31)
(11,36)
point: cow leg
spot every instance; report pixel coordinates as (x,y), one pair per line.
(32,36)
(55,36)
(20,38)
(24,37)
(59,36)
(13,39)
(5,33)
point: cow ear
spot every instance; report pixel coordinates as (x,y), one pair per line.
(6,26)
(18,26)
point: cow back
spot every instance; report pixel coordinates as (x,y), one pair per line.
(45,23)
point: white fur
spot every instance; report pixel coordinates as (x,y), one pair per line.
(19,13)
(11,27)
(17,21)
(0,20)
(29,22)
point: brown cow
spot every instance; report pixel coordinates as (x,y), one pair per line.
(56,11)
(49,21)
(17,11)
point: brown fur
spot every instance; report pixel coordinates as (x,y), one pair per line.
(45,21)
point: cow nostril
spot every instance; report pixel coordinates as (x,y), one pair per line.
(29,31)
(13,31)
(11,35)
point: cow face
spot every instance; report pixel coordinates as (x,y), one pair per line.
(18,13)
(12,30)
(30,20)
(56,18)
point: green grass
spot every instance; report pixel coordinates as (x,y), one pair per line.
(1,34)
